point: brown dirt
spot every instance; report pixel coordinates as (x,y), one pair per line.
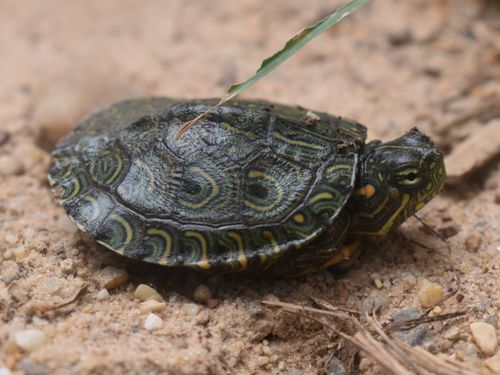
(393,65)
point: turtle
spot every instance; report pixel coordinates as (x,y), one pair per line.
(254,187)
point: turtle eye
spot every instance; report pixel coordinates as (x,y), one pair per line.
(408,177)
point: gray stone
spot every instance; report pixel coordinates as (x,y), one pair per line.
(336,367)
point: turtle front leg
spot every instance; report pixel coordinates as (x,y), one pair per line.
(338,258)
(331,249)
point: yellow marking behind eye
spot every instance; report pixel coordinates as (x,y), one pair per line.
(95,207)
(168,243)
(213,192)
(242,259)
(296,142)
(277,200)
(144,167)
(299,218)
(203,262)
(128,230)
(320,196)
(390,222)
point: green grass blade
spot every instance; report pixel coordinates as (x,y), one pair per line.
(293,45)
(290,48)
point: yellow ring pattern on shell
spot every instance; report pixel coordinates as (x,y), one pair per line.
(339,166)
(242,259)
(203,263)
(168,243)
(297,143)
(213,192)
(117,171)
(320,196)
(128,231)
(277,200)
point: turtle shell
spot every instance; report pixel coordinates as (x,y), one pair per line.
(242,187)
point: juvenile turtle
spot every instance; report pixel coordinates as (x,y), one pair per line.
(254,186)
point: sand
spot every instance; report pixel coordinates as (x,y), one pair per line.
(392,66)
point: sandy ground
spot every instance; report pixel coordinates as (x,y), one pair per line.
(393,65)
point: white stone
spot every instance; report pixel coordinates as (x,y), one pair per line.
(152,306)
(102,294)
(153,322)
(493,363)
(485,337)
(430,293)
(29,339)
(145,292)
(112,277)
(20,252)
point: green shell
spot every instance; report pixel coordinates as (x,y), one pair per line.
(242,188)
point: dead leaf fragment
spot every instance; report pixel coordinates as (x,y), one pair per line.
(474,152)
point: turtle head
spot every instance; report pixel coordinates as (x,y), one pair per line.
(395,180)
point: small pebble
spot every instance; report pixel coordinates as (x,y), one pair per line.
(336,367)
(29,339)
(378,284)
(493,363)
(145,292)
(202,293)
(9,272)
(437,310)
(473,242)
(152,306)
(112,277)
(19,293)
(102,294)
(191,308)
(375,300)
(28,367)
(453,334)
(153,322)
(485,337)
(11,238)
(430,293)
(52,285)
(67,266)
(212,303)
(20,252)
(10,166)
